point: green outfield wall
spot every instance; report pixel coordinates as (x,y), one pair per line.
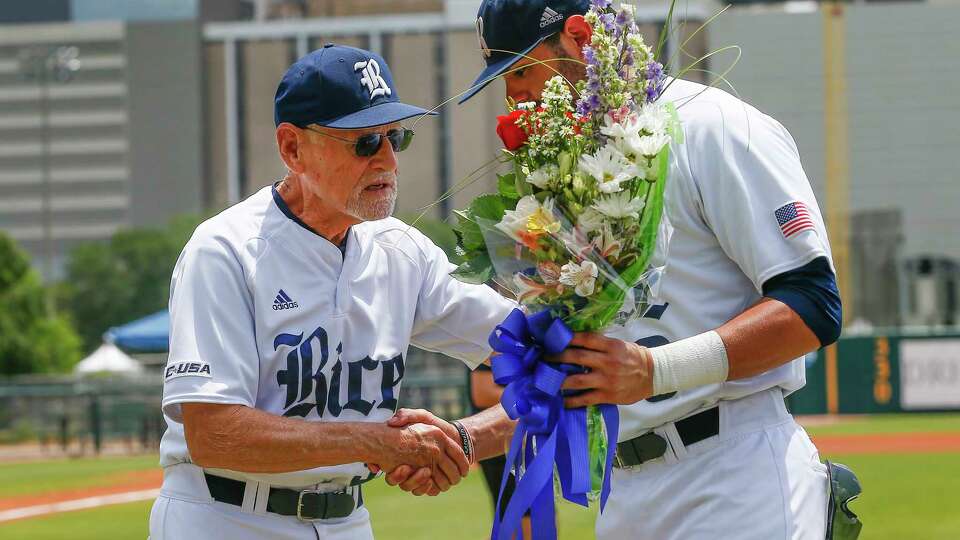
(895,372)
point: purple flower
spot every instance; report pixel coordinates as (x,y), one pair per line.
(589,55)
(608,22)
(622,19)
(652,94)
(653,90)
(600,4)
(588,104)
(654,71)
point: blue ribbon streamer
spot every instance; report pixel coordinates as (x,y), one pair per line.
(548,435)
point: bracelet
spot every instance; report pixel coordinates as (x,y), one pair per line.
(465,441)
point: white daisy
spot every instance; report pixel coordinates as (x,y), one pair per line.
(609,167)
(542,176)
(653,118)
(619,205)
(620,130)
(582,277)
(649,145)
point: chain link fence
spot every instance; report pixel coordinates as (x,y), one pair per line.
(88,415)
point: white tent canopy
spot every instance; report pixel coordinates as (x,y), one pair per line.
(108,358)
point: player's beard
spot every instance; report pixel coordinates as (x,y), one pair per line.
(572,69)
(371,206)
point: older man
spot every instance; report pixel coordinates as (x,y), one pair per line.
(291,313)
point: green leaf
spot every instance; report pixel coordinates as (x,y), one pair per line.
(488,207)
(507,186)
(674,129)
(470,236)
(523,187)
(566,163)
(477,270)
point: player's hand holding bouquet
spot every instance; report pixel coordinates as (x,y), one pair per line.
(571,231)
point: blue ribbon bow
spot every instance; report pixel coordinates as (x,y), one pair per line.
(547,434)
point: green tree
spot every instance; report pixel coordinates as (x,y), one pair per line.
(115,282)
(30,341)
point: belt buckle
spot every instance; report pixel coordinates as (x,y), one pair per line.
(300,516)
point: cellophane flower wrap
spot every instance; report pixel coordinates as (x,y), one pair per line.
(572,230)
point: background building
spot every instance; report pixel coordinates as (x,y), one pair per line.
(115,142)
(170,111)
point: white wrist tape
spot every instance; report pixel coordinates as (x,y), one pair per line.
(689,363)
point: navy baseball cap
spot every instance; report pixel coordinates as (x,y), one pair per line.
(340,87)
(517,26)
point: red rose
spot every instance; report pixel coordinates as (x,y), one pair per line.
(577,122)
(512,135)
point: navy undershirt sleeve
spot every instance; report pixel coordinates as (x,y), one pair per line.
(811,291)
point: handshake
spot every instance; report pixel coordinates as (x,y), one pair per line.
(422,453)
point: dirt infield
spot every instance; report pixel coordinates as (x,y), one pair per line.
(889,443)
(119,483)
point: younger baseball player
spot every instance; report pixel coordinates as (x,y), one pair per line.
(707,448)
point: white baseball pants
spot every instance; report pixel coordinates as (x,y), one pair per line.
(759,479)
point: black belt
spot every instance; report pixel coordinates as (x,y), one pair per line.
(306,505)
(649,446)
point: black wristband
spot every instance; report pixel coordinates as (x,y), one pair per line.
(464,440)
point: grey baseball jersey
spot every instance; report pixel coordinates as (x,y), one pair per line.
(267,314)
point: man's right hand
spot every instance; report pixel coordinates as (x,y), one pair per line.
(422,446)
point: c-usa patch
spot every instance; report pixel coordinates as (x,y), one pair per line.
(184,369)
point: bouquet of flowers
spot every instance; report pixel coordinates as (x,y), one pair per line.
(571,231)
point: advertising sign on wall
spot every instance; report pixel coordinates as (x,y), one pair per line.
(929,374)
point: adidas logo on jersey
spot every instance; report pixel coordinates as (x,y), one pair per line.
(549,17)
(283,301)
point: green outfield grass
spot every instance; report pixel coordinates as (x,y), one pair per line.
(30,478)
(118,522)
(890,423)
(906,496)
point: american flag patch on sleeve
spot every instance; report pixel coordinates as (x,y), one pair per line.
(794,218)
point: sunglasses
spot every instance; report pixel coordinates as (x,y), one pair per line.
(369,144)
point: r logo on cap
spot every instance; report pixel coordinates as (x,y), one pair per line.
(483,42)
(371,78)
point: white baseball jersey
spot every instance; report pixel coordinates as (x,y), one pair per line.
(266,313)
(732,186)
